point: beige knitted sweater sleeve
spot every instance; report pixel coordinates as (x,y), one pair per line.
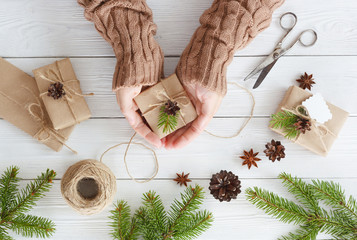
(128,26)
(227,26)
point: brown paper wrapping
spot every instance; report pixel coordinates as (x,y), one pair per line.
(17,91)
(153,96)
(70,109)
(310,140)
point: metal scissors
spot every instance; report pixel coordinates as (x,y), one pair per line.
(279,51)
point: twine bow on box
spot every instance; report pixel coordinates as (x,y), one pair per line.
(319,129)
(46,131)
(53,77)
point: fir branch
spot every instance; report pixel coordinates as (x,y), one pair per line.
(183,221)
(166,121)
(12,215)
(285,120)
(281,208)
(302,191)
(340,221)
(123,227)
(32,226)
(34,191)
(8,188)
(155,208)
(307,232)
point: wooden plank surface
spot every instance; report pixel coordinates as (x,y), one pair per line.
(57,28)
(37,32)
(96,76)
(237,219)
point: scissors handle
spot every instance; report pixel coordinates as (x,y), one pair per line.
(287,28)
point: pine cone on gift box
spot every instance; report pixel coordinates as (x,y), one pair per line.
(56,90)
(224,186)
(275,151)
(303,125)
(171,108)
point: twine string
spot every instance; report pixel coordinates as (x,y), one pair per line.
(319,129)
(68,90)
(39,117)
(246,122)
(125,161)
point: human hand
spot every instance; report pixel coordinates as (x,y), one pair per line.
(207,103)
(125,99)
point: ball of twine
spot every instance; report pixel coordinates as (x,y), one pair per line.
(98,177)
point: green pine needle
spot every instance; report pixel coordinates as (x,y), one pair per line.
(167,122)
(15,203)
(285,120)
(183,221)
(340,220)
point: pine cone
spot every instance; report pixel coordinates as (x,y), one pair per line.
(275,151)
(303,125)
(56,90)
(171,108)
(224,186)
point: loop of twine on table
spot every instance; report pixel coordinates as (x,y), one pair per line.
(102,176)
(246,122)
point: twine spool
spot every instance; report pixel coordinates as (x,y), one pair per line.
(88,186)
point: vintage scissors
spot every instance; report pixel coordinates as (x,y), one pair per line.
(279,51)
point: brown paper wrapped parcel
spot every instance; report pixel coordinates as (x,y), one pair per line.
(150,101)
(311,140)
(72,107)
(21,106)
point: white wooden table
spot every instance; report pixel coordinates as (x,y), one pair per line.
(36,32)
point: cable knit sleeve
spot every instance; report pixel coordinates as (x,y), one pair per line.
(227,26)
(128,26)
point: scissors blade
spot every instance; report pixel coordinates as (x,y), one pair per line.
(261,66)
(263,74)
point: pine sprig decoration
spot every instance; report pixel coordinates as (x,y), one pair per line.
(340,220)
(14,204)
(151,221)
(168,117)
(285,120)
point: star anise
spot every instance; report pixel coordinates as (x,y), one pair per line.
(250,158)
(171,108)
(56,90)
(182,179)
(306,81)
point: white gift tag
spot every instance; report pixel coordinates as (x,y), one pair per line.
(318,109)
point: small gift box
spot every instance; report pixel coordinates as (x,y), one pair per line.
(21,106)
(166,106)
(316,122)
(61,93)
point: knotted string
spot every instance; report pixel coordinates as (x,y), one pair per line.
(248,119)
(126,153)
(68,90)
(181,99)
(40,117)
(319,129)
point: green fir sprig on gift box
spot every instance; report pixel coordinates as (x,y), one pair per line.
(291,124)
(14,204)
(151,221)
(168,117)
(338,220)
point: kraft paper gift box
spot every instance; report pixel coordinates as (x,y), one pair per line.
(21,106)
(294,97)
(72,108)
(152,99)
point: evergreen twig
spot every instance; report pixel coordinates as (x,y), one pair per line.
(167,122)
(183,221)
(340,221)
(15,204)
(285,120)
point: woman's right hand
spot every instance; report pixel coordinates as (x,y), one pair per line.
(125,99)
